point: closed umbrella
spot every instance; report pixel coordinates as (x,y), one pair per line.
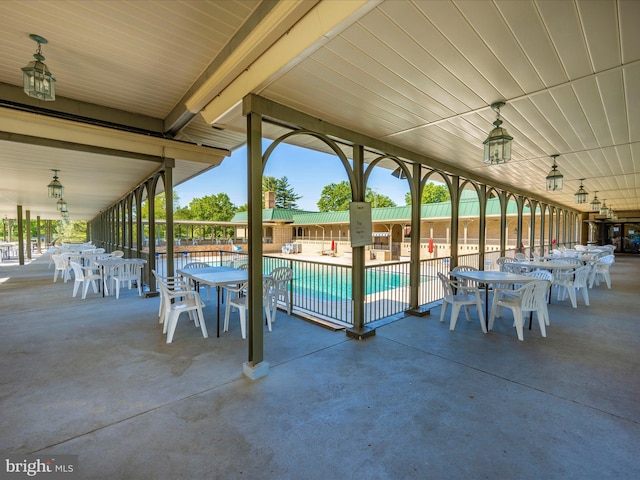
(333,245)
(431,245)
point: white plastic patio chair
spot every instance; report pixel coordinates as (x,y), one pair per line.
(174,284)
(573,283)
(601,271)
(200,265)
(61,266)
(126,272)
(502,260)
(531,297)
(176,302)
(467,286)
(239,301)
(282,277)
(459,300)
(84,276)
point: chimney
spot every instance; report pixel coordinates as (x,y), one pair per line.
(269,199)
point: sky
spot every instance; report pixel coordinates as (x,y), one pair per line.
(307,171)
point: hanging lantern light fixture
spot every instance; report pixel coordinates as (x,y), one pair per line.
(595,203)
(581,195)
(497,146)
(61,205)
(554,178)
(604,210)
(39,82)
(56,190)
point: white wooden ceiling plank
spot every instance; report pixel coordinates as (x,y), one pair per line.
(546,104)
(589,97)
(567,101)
(398,79)
(629,13)
(488,22)
(631,75)
(600,23)
(527,118)
(563,24)
(319,97)
(347,91)
(450,22)
(440,49)
(398,50)
(526,25)
(610,85)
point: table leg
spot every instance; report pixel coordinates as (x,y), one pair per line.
(218,311)
(486,305)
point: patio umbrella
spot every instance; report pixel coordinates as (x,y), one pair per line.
(333,245)
(431,245)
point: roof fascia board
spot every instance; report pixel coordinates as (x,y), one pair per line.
(321,23)
(28,124)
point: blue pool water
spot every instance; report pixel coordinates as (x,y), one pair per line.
(337,285)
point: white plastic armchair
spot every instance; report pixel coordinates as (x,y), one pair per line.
(601,271)
(572,284)
(466,286)
(61,267)
(175,302)
(174,284)
(282,277)
(531,297)
(84,276)
(200,265)
(459,300)
(126,272)
(239,301)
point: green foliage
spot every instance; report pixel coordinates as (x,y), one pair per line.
(160,206)
(285,195)
(377,200)
(211,208)
(432,193)
(336,197)
(72,232)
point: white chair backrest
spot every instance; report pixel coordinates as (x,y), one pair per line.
(118,253)
(77,271)
(521,257)
(281,274)
(607,260)
(502,260)
(581,276)
(534,294)
(540,274)
(125,270)
(511,268)
(197,265)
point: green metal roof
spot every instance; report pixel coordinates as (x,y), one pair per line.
(469,207)
(282,215)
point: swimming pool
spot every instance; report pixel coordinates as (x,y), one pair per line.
(334,283)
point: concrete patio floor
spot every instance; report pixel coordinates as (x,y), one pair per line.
(95,378)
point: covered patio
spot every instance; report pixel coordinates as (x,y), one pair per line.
(95,378)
